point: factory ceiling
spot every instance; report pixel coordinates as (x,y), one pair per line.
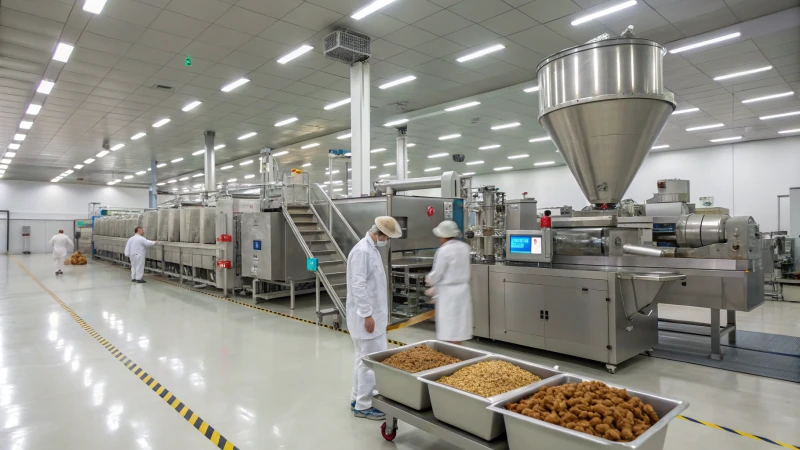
(129,71)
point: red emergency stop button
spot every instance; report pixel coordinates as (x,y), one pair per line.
(431,211)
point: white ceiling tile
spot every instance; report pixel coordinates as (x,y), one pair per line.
(132,11)
(480,10)
(226,72)
(706,22)
(182,76)
(509,23)
(265,48)
(470,36)
(547,10)
(224,37)
(786,36)
(287,33)
(442,23)
(667,33)
(30,23)
(244,20)
(770,52)
(163,41)
(284,71)
(117,85)
(206,51)
(409,58)
(441,47)
(244,61)
(207,82)
(640,16)
(85,68)
(205,10)
(520,57)
(48,9)
(63,84)
(84,54)
(410,11)
(446,3)
(340,6)
(312,17)
(410,37)
(541,40)
(686,9)
(378,25)
(440,68)
(174,23)
(383,49)
(28,40)
(78,78)
(149,54)
(136,66)
(584,32)
(113,28)
(197,91)
(272,8)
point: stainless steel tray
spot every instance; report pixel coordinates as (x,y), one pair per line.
(522,430)
(405,387)
(468,411)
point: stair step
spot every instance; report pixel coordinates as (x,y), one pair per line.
(323,252)
(330,263)
(328,311)
(311,231)
(318,241)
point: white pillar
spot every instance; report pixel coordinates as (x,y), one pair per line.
(208,162)
(794,222)
(402,153)
(359,126)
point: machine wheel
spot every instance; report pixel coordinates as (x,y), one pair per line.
(648,353)
(388,437)
(336,326)
(611,369)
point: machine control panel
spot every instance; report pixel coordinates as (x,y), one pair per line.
(529,245)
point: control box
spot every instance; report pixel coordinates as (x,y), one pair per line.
(529,245)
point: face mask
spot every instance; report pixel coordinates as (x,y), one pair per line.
(381,243)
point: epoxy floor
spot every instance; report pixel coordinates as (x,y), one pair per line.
(268,382)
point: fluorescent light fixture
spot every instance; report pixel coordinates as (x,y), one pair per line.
(45,87)
(334,172)
(739,74)
(138,136)
(101,154)
(117,147)
(158,166)
(161,123)
(733,138)
(111,183)
(245,163)
(768,97)
(377,150)
(433,169)
(3,166)
(89,161)
(544,163)
(338,190)
(94,6)
(531,89)
(507,125)
(518,156)
(462,106)
(603,12)
(373,167)
(336,104)
(10,154)
(26,124)
(176,160)
(197,175)
(217,147)
(774,116)
(684,111)
(191,106)
(13,146)
(281,153)
(141,172)
(344,136)
(398,81)
(247,177)
(199,152)
(231,86)
(438,155)
(474,163)
(197,186)
(706,127)
(160,184)
(5,161)
(62,52)
(303,49)
(33,109)
(389,164)
(315,144)
(383,175)
(468,173)
(479,53)
(128,177)
(794,130)
(19,137)
(232,180)
(449,136)
(286,122)
(371,8)
(660,146)
(708,42)
(395,122)
(489,147)
(226,167)
(247,136)
(172,181)
(54,180)
(498,169)
(540,139)
(306,165)
(411,144)
(183,179)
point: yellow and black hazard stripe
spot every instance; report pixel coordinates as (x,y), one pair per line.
(190,416)
(740,433)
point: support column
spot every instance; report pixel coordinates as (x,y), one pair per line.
(402,153)
(208,167)
(360,127)
(153,203)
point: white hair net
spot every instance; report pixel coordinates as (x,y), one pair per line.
(388,226)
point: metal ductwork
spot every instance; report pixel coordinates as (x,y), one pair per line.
(604,105)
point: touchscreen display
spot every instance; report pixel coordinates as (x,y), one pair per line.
(531,245)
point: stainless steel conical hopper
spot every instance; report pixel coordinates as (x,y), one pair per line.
(604,105)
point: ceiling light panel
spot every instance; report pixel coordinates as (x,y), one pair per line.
(199,152)
(303,49)
(775,116)
(685,111)
(482,52)
(33,109)
(336,104)
(377,150)
(176,160)
(389,164)
(19,137)
(544,163)
(706,127)
(732,138)
(489,147)
(247,136)
(231,86)
(161,123)
(315,144)
(794,130)
(101,154)
(540,139)
(117,147)
(395,122)
(191,106)
(286,122)
(89,161)
(768,97)
(449,136)
(433,169)
(603,12)
(438,155)
(13,146)
(462,106)
(740,74)
(217,147)
(660,146)
(62,52)
(474,163)
(531,89)
(506,125)
(499,169)
(138,136)
(518,156)
(344,136)
(371,8)
(158,166)
(26,124)
(94,6)
(281,153)
(397,82)
(45,87)
(706,42)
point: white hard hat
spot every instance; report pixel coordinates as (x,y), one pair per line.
(447,229)
(388,226)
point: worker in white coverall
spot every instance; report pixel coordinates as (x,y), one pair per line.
(367,310)
(135,249)
(450,281)
(60,243)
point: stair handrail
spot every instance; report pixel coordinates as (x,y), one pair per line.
(331,209)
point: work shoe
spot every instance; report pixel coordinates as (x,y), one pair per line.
(353,406)
(133,281)
(371,414)
(141,281)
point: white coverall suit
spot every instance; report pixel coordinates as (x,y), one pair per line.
(60,244)
(366,296)
(450,276)
(135,249)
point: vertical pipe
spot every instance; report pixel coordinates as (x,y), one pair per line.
(208,168)
(402,153)
(360,127)
(153,202)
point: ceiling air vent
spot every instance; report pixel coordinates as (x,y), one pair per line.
(163,87)
(347,46)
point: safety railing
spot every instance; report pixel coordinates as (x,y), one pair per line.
(332,219)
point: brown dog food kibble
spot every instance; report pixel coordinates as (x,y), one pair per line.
(489,378)
(418,359)
(590,407)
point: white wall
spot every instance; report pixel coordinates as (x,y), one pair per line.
(48,207)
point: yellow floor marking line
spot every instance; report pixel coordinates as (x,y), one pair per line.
(740,433)
(190,416)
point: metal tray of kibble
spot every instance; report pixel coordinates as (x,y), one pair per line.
(521,430)
(469,411)
(405,387)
